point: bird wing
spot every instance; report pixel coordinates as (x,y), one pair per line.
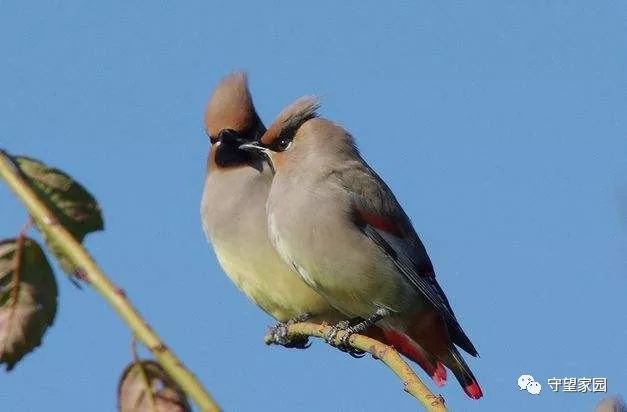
(378,214)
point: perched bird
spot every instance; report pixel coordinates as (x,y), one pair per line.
(334,220)
(233,212)
(233,209)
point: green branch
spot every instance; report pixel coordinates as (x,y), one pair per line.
(388,355)
(92,274)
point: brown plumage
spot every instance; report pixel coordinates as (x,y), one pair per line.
(291,118)
(231,107)
(334,219)
(234,216)
(233,209)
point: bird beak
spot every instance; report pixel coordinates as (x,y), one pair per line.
(257,148)
(254,147)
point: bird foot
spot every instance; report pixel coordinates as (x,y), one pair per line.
(333,331)
(343,344)
(279,333)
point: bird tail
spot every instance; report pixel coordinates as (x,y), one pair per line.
(431,334)
(410,349)
(464,375)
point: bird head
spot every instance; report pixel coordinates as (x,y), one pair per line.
(283,135)
(231,121)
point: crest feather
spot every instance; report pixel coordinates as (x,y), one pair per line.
(231,106)
(291,118)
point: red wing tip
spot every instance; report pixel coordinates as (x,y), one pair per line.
(439,375)
(473,390)
(407,347)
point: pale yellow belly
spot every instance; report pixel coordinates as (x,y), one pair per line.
(268,282)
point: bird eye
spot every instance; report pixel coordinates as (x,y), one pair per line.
(283,144)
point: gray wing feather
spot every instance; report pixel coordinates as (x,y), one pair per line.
(369,193)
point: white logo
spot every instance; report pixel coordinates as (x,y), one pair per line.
(534,388)
(527,382)
(524,380)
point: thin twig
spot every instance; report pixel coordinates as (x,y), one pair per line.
(26,226)
(101,283)
(388,355)
(134,351)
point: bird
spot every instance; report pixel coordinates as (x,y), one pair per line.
(233,213)
(336,222)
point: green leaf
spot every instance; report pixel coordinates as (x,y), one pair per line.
(28,298)
(72,205)
(145,386)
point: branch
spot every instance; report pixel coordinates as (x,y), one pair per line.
(96,278)
(411,383)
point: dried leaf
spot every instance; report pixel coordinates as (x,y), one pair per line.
(146,387)
(28,298)
(72,205)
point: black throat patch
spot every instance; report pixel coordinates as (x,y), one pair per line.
(230,155)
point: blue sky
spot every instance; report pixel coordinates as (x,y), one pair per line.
(500,127)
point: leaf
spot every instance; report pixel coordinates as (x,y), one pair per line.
(28,298)
(145,386)
(72,205)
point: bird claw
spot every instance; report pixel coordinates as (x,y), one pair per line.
(279,334)
(333,331)
(343,344)
(353,352)
(298,343)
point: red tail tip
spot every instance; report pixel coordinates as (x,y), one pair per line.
(473,390)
